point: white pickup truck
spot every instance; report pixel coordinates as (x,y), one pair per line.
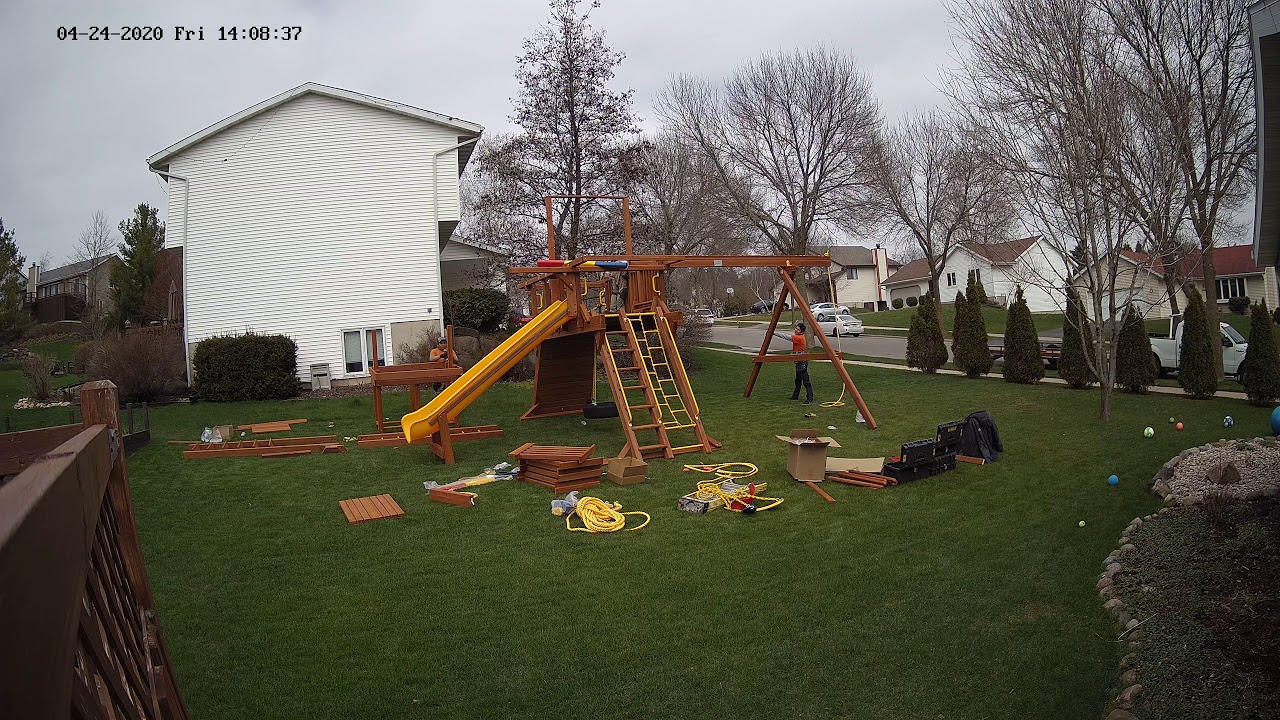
(1168,348)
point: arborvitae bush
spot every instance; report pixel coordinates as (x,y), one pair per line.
(897,303)
(912,301)
(1022,362)
(1073,364)
(1262,361)
(1196,373)
(1239,305)
(246,367)
(926,347)
(481,308)
(1135,363)
(969,337)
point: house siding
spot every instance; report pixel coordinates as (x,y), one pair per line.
(856,292)
(313,218)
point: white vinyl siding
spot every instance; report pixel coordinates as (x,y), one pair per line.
(310,218)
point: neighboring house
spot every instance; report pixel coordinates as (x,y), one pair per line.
(1030,263)
(469,263)
(321,214)
(65,293)
(857,273)
(1140,279)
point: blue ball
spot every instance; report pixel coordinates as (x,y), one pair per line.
(1228,421)
(1275,421)
(1113,480)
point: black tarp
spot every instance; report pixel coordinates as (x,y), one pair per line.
(981,439)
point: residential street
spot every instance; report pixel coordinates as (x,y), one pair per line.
(869,345)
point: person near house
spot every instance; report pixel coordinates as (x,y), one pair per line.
(439,353)
(800,346)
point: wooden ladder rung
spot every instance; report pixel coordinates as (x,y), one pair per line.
(625,388)
(646,448)
(633,407)
(646,427)
(628,369)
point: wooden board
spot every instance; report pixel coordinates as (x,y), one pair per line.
(529,451)
(971,460)
(286,453)
(273,426)
(562,487)
(365,509)
(451,497)
(820,491)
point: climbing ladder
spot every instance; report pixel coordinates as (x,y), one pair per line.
(641,359)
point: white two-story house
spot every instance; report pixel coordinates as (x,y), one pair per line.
(321,214)
(1030,263)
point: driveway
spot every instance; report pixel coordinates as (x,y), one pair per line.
(749,338)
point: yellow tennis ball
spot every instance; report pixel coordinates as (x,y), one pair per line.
(1081,523)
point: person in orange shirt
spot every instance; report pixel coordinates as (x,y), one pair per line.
(799,345)
(438,353)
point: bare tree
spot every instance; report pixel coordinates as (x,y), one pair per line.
(96,240)
(936,190)
(788,138)
(1041,82)
(676,206)
(1193,60)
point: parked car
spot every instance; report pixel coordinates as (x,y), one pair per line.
(765,306)
(827,311)
(843,325)
(1168,350)
(700,315)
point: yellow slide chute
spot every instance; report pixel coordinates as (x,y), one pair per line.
(420,424)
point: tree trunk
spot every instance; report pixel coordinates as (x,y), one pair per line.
(937,298)
(1211,306)
(1171,287)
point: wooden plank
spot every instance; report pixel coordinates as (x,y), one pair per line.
(452,497)
(253,451)
(19,449)
(820,491)
(381,440)
(516,453)
(286,453)
(270,428)
(970,460)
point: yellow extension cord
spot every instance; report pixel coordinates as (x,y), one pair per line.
(599,516)
(839,345)
(710,489)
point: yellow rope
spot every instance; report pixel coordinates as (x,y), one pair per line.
(839,345)
(711,489)
(598,516)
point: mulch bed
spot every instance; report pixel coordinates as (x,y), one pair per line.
(1203,581)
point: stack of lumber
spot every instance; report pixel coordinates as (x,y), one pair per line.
(562,469)
(276,448)
(270,427)
(862,479)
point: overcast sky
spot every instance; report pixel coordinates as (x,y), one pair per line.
(78,119)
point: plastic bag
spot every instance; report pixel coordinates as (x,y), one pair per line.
(210,436)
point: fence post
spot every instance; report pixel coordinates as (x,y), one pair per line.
(129,409)
(146,416)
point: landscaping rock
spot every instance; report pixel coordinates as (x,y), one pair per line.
(1128,547)
(1124,618)
(1130,677)
(1105,582)
(1129,696)
(1119,714)
(1112,569)
(1114,605)
(1161,487)
(1128,660)
(1242,469)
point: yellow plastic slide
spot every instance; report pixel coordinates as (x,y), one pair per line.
(420,424)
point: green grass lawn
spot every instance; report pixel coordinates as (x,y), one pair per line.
(994,317)
(60,350)
(968,595)
(12,387)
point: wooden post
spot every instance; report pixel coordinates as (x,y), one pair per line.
(768,338)
(626,224)
(789,282)
(446,441)
(551,233)
(377,389)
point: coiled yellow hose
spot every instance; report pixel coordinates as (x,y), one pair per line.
(710,489)
(599,516)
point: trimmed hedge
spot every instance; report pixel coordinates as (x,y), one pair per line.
(897,303)
(913,301)
(246,367)
(481,308)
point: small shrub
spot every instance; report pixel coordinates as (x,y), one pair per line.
(926,347)
(1074,364)
(897,303)
(246,367)
(969,337)
(1217,508)
(913,301)
(68,328)
(1196,372)
(418,351)
(81,357)
(481,308)
(144,365)
(737,305)
(689,336)
(37,374)
(1022,362)
(1135,363)
(1262,360)
(1239,305)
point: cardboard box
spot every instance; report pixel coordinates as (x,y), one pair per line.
(225,432)
(627,470)
(867,465)
(807,454)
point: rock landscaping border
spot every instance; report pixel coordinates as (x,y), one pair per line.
(1184,480)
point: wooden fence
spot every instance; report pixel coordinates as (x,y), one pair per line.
(77,617)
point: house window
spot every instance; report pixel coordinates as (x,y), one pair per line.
(951,279)
(357,355)
(851,273)
(1231,288)
(975,275)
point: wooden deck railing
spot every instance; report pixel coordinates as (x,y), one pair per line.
(77,617)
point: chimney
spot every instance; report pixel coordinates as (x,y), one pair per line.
(33,278)
(881,259)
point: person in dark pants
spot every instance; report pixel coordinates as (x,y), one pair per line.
(799,345)
(440,353)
